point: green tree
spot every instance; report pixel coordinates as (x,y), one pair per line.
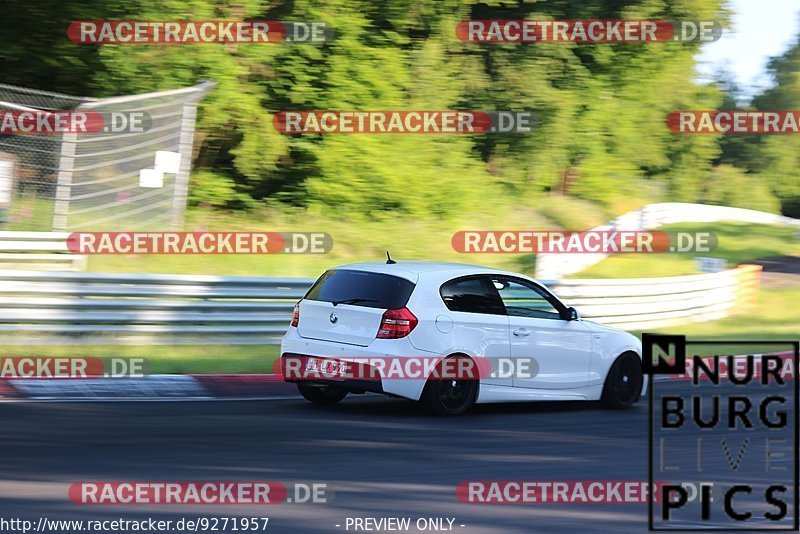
(600,109)
(777,157)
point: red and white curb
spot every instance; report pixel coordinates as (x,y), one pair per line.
(185,387)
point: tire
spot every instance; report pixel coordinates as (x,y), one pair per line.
(624,382)
(322,394)
(449,397)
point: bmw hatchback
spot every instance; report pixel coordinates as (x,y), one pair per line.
(423,318)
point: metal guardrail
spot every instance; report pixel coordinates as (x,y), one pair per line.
(96,309)
(640,303)
(63,308)
(38,250)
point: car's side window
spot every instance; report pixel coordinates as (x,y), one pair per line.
(526,300)
(475,294)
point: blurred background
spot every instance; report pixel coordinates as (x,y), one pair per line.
(600,147)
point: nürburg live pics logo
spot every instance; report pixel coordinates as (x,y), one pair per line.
(723,434)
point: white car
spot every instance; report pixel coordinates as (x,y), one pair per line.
(397,311)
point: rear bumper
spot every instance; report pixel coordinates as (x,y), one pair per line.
(355,386)
(358,385)
(293,344)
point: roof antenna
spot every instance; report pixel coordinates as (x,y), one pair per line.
(389,260)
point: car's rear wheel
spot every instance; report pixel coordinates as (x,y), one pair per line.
(450,396)
(322,394)
(624,382)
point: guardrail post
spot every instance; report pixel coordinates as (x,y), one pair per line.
(749,283)
(185,146)
(63,189)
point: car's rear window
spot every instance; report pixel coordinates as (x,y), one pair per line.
(361,288)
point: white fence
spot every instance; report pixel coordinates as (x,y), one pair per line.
(639,303)
(39,250)
(94,179)
(41,308)
(650,217)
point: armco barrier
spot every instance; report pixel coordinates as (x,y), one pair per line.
(639,303)
(94,309)
(41,308)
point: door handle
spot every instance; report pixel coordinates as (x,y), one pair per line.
(521,332)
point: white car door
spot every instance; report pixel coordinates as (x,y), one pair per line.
(480,323)
(561,348)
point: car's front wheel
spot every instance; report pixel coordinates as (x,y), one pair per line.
(624,382)
(450,396)
(320,394)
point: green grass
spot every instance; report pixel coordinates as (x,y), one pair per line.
(573,214)
(178,359)
(358,240)
(737,242)
(773,316)
(353,240)
(29,214)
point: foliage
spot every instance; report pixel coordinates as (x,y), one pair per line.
(600,109)
(730,186)
(775,158)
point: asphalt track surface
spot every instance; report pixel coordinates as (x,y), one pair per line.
(383,456)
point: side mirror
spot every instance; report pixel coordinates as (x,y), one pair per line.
(570,314)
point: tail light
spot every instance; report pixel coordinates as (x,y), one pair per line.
(396,324)
(296,314)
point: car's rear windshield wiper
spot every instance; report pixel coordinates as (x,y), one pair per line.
(351,301)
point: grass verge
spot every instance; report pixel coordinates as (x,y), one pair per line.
(737,242)
(169,359)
